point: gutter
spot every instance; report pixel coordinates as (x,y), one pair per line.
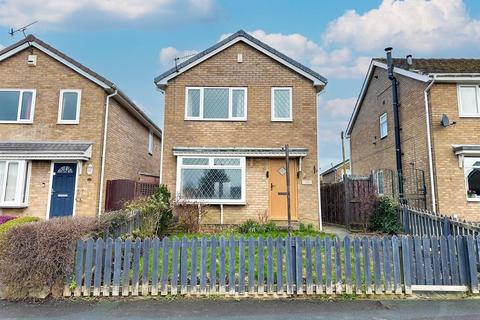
(429,144)
(104,149)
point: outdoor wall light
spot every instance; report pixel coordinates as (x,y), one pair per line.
(90,169)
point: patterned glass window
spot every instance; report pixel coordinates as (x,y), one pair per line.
(211,180)
(220,103)
(472,178)
(281,104)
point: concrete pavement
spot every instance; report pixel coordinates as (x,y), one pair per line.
(242,309)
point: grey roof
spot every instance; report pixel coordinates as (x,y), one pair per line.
(430,65)
(335,167)
(31,38)
(18,147)
(242,33)
(241,151)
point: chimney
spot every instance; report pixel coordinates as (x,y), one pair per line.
(409,60)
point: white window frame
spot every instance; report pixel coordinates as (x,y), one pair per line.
(465,169)
(460,109)
(19,107)
(150,142)
(211,165)
(22,185)
(60,104)
(272,97)
(230,104)
(377,174)
(383,120)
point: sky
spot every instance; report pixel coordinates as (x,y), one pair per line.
(132,41)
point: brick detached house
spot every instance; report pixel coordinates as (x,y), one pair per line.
(65,131)
(228,112)
(335,173)
(447,153)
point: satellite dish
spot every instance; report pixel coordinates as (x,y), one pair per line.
(445,122)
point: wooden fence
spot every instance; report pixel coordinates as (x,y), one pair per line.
(349,202)
(120,191)
(279,267)
(425,223)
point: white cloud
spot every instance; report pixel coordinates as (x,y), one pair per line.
(418,25)
(338,108)
(14,13)
(168,54)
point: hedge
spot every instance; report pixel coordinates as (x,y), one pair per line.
(15,222)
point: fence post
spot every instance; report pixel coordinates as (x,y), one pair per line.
(406,220)
(446,227)
(346,183)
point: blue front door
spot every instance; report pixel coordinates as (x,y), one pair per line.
(63,189)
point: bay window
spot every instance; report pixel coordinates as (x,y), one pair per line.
(215,180)
(472,178)
(216,103)
(13,176)
(16,105)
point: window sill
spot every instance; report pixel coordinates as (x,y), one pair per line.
(16,122)
(14,206)
(282,120)
(473,199)
(469,116)
(216,202)
(216,120)
(69,123)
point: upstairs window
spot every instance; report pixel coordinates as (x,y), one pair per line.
(472,178)
(282,104)
(216,103)
(150,142)
(383,126)
(215,180)
(13,176)
(468,100)
(69,107)
(16,105)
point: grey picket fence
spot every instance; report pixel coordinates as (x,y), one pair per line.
(420,222)
(281,267)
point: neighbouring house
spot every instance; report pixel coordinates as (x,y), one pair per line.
(335,173)
(229,110)
(65,131)
(439,115)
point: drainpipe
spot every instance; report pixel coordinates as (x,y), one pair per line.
(163,139)
(429,145)
(319,198)
(396,122)
(104,149)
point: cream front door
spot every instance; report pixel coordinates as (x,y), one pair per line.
(277,183)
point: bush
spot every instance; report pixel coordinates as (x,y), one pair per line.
(385,217)
(36,257)
(252,226)
(16,222)
(113,221)
(156,216)
(189,215)
(4,219)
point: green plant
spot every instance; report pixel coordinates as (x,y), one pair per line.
(189,215)
(114,220)
(156,216)
(270,227)
(73,284)
(36,256)
(250,226)
(385,217)
(16,222)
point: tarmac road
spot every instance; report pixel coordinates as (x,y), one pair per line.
(242,309)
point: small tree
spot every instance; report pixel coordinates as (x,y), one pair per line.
(385,218)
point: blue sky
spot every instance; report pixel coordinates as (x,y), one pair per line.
(132,41)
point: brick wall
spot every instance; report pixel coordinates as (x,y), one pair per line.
(368,151)
(259,73)
(127,147)
(450,181)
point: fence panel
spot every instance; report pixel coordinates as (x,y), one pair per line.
(255,267)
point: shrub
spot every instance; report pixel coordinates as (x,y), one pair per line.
(252,226)
(385,217)
(156,216)
(4,219)
(16,222)
(36,257)
(114,220)
(189,215)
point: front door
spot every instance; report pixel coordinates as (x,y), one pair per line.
(63,189)
(277,183)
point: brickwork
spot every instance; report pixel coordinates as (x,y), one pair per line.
(450,181)
(368,151)
(259,74)
(48,78)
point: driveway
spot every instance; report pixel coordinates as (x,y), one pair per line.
(242,309)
